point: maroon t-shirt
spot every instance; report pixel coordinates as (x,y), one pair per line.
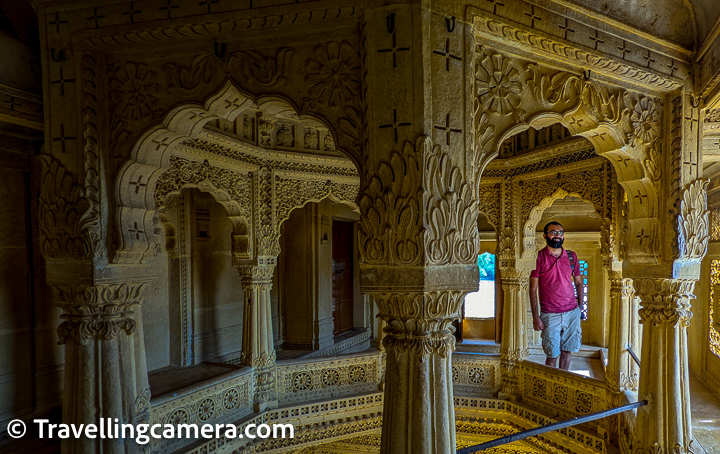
(555,281)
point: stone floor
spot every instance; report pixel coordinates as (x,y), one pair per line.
(705,415)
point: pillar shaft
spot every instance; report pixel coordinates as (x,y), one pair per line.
(622,371)
(513,344)
(105,365)
(258,349)
(418,412)
(664,424)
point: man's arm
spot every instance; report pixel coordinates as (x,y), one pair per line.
(580,289)
(537,323)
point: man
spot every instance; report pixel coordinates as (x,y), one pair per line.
(559,317)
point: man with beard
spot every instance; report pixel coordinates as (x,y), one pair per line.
(556,272)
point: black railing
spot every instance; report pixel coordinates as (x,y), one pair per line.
(550,427)
(634,356)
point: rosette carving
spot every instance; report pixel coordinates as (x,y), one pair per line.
(391,225)
(498,86)
(694,222)
(450,211)
(97,310)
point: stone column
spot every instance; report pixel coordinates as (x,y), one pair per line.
(513,344)
(258,350)
(664,424)
(105,365)
(419,414)
(418,235)
(622,372)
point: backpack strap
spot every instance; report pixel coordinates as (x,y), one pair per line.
(572,261)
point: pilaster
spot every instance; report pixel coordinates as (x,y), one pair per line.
(622,372)
(105,366)
(514,343)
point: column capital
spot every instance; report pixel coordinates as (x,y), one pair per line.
(97,310)
(420,322)
(665,300)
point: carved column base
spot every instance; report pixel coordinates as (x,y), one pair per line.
(105,365)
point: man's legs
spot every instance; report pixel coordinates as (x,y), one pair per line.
(565,358)
(551,361)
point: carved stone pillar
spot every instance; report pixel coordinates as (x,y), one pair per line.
(258,349)
(622,371)
(418,235)
(513,344)
(664,424)
(105,365)
(419,343)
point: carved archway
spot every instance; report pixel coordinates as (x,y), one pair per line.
(622,126)
(530,226)
(178,153)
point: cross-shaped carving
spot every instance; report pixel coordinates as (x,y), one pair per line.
(95,17)
(169,8)
(648,59)
(672,67)
(596,39)
(235,103)
(623,49)
(136,230)
(576,121)
(640,197)
(12,104)
(448,56)
(394,49)
(138,184)
(532,16)
(208,3)
(62,81)
(624,160)
(161,144)
(566,28)
(495,4)
(395,125)
(599,135)
(199,115)
(447,129)
(57,22)
(692,163)
(63,138)
(692,121)
(642,236)
(132,12)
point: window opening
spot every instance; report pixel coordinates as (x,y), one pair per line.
(714,282)
(584,275)
(481,304)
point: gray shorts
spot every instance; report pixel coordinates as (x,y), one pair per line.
(562,332)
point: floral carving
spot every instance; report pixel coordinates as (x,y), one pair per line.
(645,119)
(248,66)
(391,225)
(694,222)
(450,211)
(134,91)
(334,75)
(97,310)
(498,86)
(63,223)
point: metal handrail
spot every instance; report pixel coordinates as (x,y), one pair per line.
(550,427)
(634,356)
